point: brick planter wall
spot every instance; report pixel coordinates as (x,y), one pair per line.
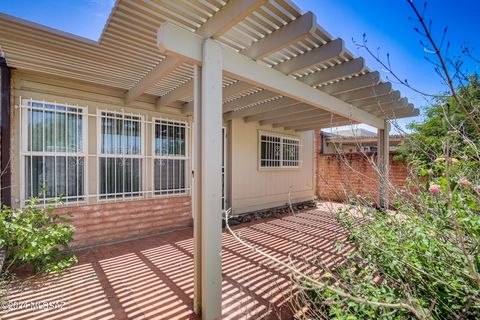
(352,174)
(101,223)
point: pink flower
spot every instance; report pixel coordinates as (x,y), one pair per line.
(464,182)
(434,188)
(329,301)
(477,188)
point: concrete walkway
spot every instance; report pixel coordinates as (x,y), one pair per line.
(152,278)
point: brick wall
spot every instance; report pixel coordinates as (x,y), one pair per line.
(101,223)
(353,174)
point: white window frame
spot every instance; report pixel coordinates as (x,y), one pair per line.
(120,195)
(24,127)
(186,158)
(282,137)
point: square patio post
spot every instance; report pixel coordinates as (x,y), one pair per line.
(383,158)
(207,200)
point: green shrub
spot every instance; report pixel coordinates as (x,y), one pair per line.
(35,235)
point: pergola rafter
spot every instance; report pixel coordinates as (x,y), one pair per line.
(297,108)
(295,116)
(313,57)
(249,114)
(339,71)
(282,38)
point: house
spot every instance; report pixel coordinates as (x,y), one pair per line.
(354,140)
(179,111)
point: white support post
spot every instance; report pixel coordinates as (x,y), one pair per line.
(383,157)
(196,190)
(208,183)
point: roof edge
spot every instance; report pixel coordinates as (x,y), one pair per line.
(45,28)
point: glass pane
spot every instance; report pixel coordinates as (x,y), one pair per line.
(49,129)
(79,133)
(36,130)
(102,176)
(72,169)
(137,174)
(118,129)
(120,177)
(137,137)
(169,176)
(119,172)
(72,133)
(111,170)
(61,125)
(37,176)
(49,185)
(61,169)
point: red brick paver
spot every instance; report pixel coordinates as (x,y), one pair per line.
(152,278)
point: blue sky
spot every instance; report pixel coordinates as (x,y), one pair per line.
(385,23)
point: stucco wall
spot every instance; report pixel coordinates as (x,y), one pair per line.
(254,188)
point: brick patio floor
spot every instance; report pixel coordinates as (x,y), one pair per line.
(152,278)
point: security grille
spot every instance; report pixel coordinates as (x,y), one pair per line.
(279,152)
(53,151)
(170,159)
(120,156)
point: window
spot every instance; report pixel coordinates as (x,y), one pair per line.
(279,152)
(53,151)
(120,156)
(170,157)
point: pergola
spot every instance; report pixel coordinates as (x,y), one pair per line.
(264,61)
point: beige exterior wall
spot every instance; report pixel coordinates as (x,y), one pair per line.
(249,187)
(254,188)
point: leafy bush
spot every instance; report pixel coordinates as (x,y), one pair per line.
(35,235)
(422,259)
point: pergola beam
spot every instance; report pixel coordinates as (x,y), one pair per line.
(176,94)
(173,40)
(401,103)
(313,57)
(230,15)
(276,105)
(398,112)
(162,69)
(282,38)
(339,71)
(369,92)
(391,97)
(362,81)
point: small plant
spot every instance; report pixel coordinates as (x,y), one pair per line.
(35,235)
